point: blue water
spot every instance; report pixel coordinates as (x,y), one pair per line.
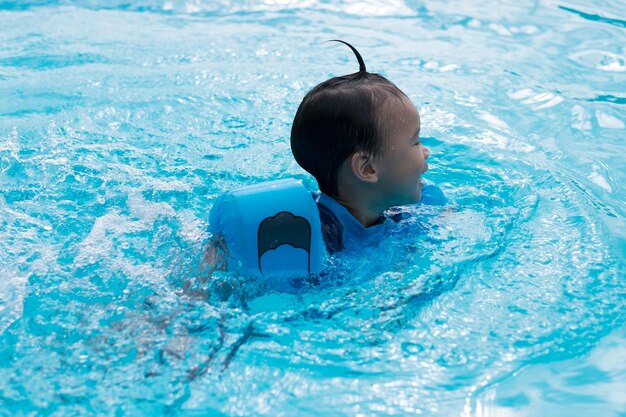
(122,121)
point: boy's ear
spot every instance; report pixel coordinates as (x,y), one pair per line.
(363,167)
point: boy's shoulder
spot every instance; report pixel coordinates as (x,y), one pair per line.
(332,229)
(340,230)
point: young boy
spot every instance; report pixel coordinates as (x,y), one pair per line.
(358,135)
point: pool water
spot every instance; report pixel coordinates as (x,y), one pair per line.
(122,121)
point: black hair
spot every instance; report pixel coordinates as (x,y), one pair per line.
(337,118)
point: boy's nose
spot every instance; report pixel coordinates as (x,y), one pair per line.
(426,152)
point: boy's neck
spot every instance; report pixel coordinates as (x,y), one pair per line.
(367,216)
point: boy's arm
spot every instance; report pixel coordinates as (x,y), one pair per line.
(214,257)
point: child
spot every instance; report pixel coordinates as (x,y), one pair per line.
(358,135)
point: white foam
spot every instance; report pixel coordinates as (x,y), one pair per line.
(492,120)
(14,283)
(600,181)
(601,60)
(500,29)
(12,292)
(553,101)
(11,143)
(520,94)
(609,122)
(99,242)
(537,101)
(582,119)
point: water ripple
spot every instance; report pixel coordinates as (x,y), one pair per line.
(595,17)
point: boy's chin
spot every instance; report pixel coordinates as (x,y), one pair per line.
(417,196)
(408,200)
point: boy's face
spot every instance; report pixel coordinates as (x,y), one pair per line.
(404,160)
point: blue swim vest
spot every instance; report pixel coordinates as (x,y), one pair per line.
(432,195)
(271,229)
(275,228)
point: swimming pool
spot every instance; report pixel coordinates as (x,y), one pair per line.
(122,121)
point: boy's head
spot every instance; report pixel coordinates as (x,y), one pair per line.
(359,133)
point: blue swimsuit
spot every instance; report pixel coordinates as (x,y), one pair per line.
(342,231)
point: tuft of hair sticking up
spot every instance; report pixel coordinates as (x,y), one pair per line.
(358,55)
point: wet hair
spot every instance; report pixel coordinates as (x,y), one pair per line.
(338,117)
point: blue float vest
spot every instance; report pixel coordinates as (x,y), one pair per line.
(432,194)
(271,229)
